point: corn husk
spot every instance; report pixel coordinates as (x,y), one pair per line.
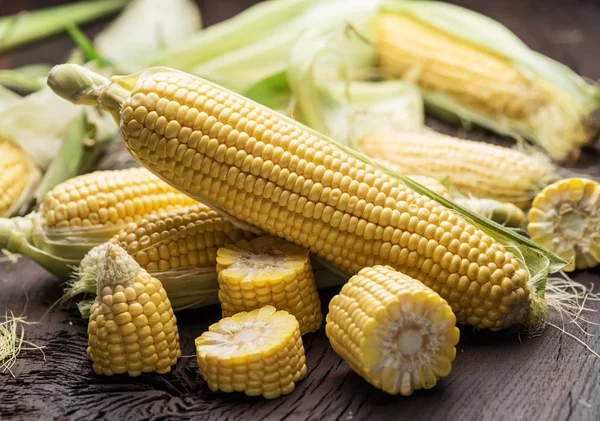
(552,128)
(25,27)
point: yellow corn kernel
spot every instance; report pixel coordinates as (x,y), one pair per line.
(431,183)
(511,99)
(258,353)
(132,328)
(274,174)
(267,271)
(181,238)
(108,198)
(18,173)
(395,332)
(565,218)
(474,168)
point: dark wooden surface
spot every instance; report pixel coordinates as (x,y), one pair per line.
(495,376)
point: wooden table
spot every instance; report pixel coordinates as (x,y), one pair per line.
(496,376)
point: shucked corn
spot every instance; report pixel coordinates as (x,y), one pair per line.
(395,332)
(272,173)
(474,168)
(18,174)
(258,353)
(132,327)
(178,247)
(84,212)
(565,218)
(267,271)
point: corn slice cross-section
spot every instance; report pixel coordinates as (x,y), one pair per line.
(395,332)
(267,271)
(258,353)
(565,218)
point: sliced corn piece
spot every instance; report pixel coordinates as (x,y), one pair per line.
(258,353)
(395,332)
(267,271)
(132,328)
(565,218)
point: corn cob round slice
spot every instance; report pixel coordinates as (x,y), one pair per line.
(395,332)
(267,271)
(132,328)
(274,174)
(474,168)
(565,218)
(258,353)
(19,174)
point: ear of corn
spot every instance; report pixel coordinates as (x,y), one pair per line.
(18,176)
(279,176)
(266,271)
(565,218)
(474,168)
(132,327)
(84,212)
(258,353)
(471,66)
(395,332)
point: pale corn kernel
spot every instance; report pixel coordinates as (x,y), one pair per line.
(258,353)
(338,226)
(395,332)
(135,342)
(270,272)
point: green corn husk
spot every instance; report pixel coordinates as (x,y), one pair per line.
(29,78)
(555,125)
(26,27)
(326,75)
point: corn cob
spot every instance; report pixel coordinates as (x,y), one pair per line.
(279,176)
(84,212)
(19,175)
(266,271)
(565,218)
(132,327)
(258,353)
(395,332)
(473,168)
(178,247)
(488,87)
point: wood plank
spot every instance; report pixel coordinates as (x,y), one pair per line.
(496,376)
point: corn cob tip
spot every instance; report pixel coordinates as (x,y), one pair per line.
(76,83)
(116,267)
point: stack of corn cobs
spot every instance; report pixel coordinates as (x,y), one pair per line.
(235,199)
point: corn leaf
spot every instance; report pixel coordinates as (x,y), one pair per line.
(327,97)
(273,92)
(147,27)
(26,27)
(26,79)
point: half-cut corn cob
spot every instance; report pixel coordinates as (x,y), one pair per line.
(565,218)
(474,168)
(258,353)
(395,332)
(178,247)
(18,175)
(132,327)
(267,271)
(272,173)
(496,82)
(84,212)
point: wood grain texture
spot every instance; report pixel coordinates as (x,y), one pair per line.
(496,376)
